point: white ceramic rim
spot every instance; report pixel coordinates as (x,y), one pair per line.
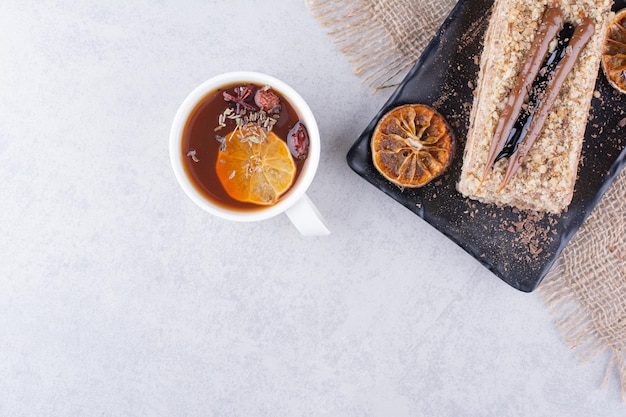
(308,170)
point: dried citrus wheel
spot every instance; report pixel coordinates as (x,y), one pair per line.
(614,52)
(255,166)
(411,145)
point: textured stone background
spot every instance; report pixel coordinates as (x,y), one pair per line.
(119,297)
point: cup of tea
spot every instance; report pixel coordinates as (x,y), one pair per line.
(245,146)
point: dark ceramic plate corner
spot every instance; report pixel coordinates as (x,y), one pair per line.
(518,247)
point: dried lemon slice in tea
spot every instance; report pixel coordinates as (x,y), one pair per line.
(411,145)
(614,52)
(255,166)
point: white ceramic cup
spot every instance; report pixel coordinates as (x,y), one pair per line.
(295,203)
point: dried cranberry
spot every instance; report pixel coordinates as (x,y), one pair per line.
(298,141)
(267,100)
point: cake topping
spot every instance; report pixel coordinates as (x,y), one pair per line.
(581,36)
(550,25)
(520,128)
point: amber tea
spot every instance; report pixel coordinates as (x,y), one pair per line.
(243,146)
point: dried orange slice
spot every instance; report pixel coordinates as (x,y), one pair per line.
(614,52)
(411,145)
(255,166)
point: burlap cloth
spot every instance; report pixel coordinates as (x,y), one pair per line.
(586,289)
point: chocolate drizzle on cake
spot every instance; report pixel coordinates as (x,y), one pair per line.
(528,110)
(582,34)
(550,25)
(539,81)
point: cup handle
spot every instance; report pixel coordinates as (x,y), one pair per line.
(307,219)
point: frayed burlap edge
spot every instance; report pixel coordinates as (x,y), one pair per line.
(586,288)
(576,325)
(381,45)
(367,45)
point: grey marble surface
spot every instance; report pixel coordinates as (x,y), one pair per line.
(120,297)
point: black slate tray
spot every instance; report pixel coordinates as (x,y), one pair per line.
(518,247)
